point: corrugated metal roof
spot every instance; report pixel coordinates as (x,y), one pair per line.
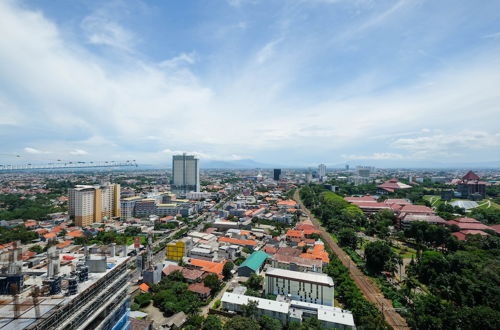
(255,260)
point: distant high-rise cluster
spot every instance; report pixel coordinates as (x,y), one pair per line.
(185,174)
(88,204)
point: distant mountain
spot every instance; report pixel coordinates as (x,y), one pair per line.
(419,164)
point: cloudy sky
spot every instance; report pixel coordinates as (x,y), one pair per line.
(293,82)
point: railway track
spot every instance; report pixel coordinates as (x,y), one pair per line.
(369,289)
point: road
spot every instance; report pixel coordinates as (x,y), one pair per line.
(369,289)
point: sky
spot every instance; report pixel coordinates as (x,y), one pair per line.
(292,82)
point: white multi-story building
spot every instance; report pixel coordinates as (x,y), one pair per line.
(185,174)
(88,204)
(308,287)
(322,170)
(287,310)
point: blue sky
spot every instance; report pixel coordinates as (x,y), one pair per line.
(292,82)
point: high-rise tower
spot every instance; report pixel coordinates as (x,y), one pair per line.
(185,174)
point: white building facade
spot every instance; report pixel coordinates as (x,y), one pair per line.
(314,288)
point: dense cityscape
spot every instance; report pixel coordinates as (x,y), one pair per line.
(314,248)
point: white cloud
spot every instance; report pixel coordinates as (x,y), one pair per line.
(267,52)
(183,58)
(203,155)
(35,151)
(448,144)
(101,30)
(375,156)
(78,152)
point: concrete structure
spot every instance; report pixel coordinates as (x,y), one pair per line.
(309,287)
(89,204)
(185,174)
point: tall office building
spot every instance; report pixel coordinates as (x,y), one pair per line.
(185,174)
(277,174)
(89,204)
(322,170)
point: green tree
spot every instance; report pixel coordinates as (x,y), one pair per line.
(143,299)
(379,257)
(241,323)
(348,238)
(269,323)
(250,309)
(36,248)
(212,322)
(254,282)
(226,270)
(212,282)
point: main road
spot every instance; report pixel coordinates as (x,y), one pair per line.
(369,289)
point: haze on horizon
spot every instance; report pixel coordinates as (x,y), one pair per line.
(296,82)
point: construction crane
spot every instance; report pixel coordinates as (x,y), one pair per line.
(67,165)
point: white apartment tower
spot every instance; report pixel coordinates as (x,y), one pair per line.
(89,204)
(322,170)
(185,174)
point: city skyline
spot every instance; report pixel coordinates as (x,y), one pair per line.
(288,83)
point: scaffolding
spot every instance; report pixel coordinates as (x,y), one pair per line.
(90,305)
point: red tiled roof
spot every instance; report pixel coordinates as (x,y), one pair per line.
(470,176)
(294,233)
(371,205)
(269,249)
(467,220)
(199,288)
(50,235)
(237,241)
(208,266)
(397,201)
(474,232)
(144,287)
(76,233)
(171,268)
(496,228)
(289,202)
(416,209)
(460,236)
(393,184)
(370,199)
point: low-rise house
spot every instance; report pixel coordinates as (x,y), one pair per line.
(200,289)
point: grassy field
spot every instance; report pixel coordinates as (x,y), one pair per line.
(405,252)
(433,199)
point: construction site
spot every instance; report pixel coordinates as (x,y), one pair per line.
(82,289)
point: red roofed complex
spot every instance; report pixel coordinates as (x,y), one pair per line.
(366,199)
(391,185)
(287,204)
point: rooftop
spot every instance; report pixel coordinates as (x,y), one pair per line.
(300,276)
(255,260)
